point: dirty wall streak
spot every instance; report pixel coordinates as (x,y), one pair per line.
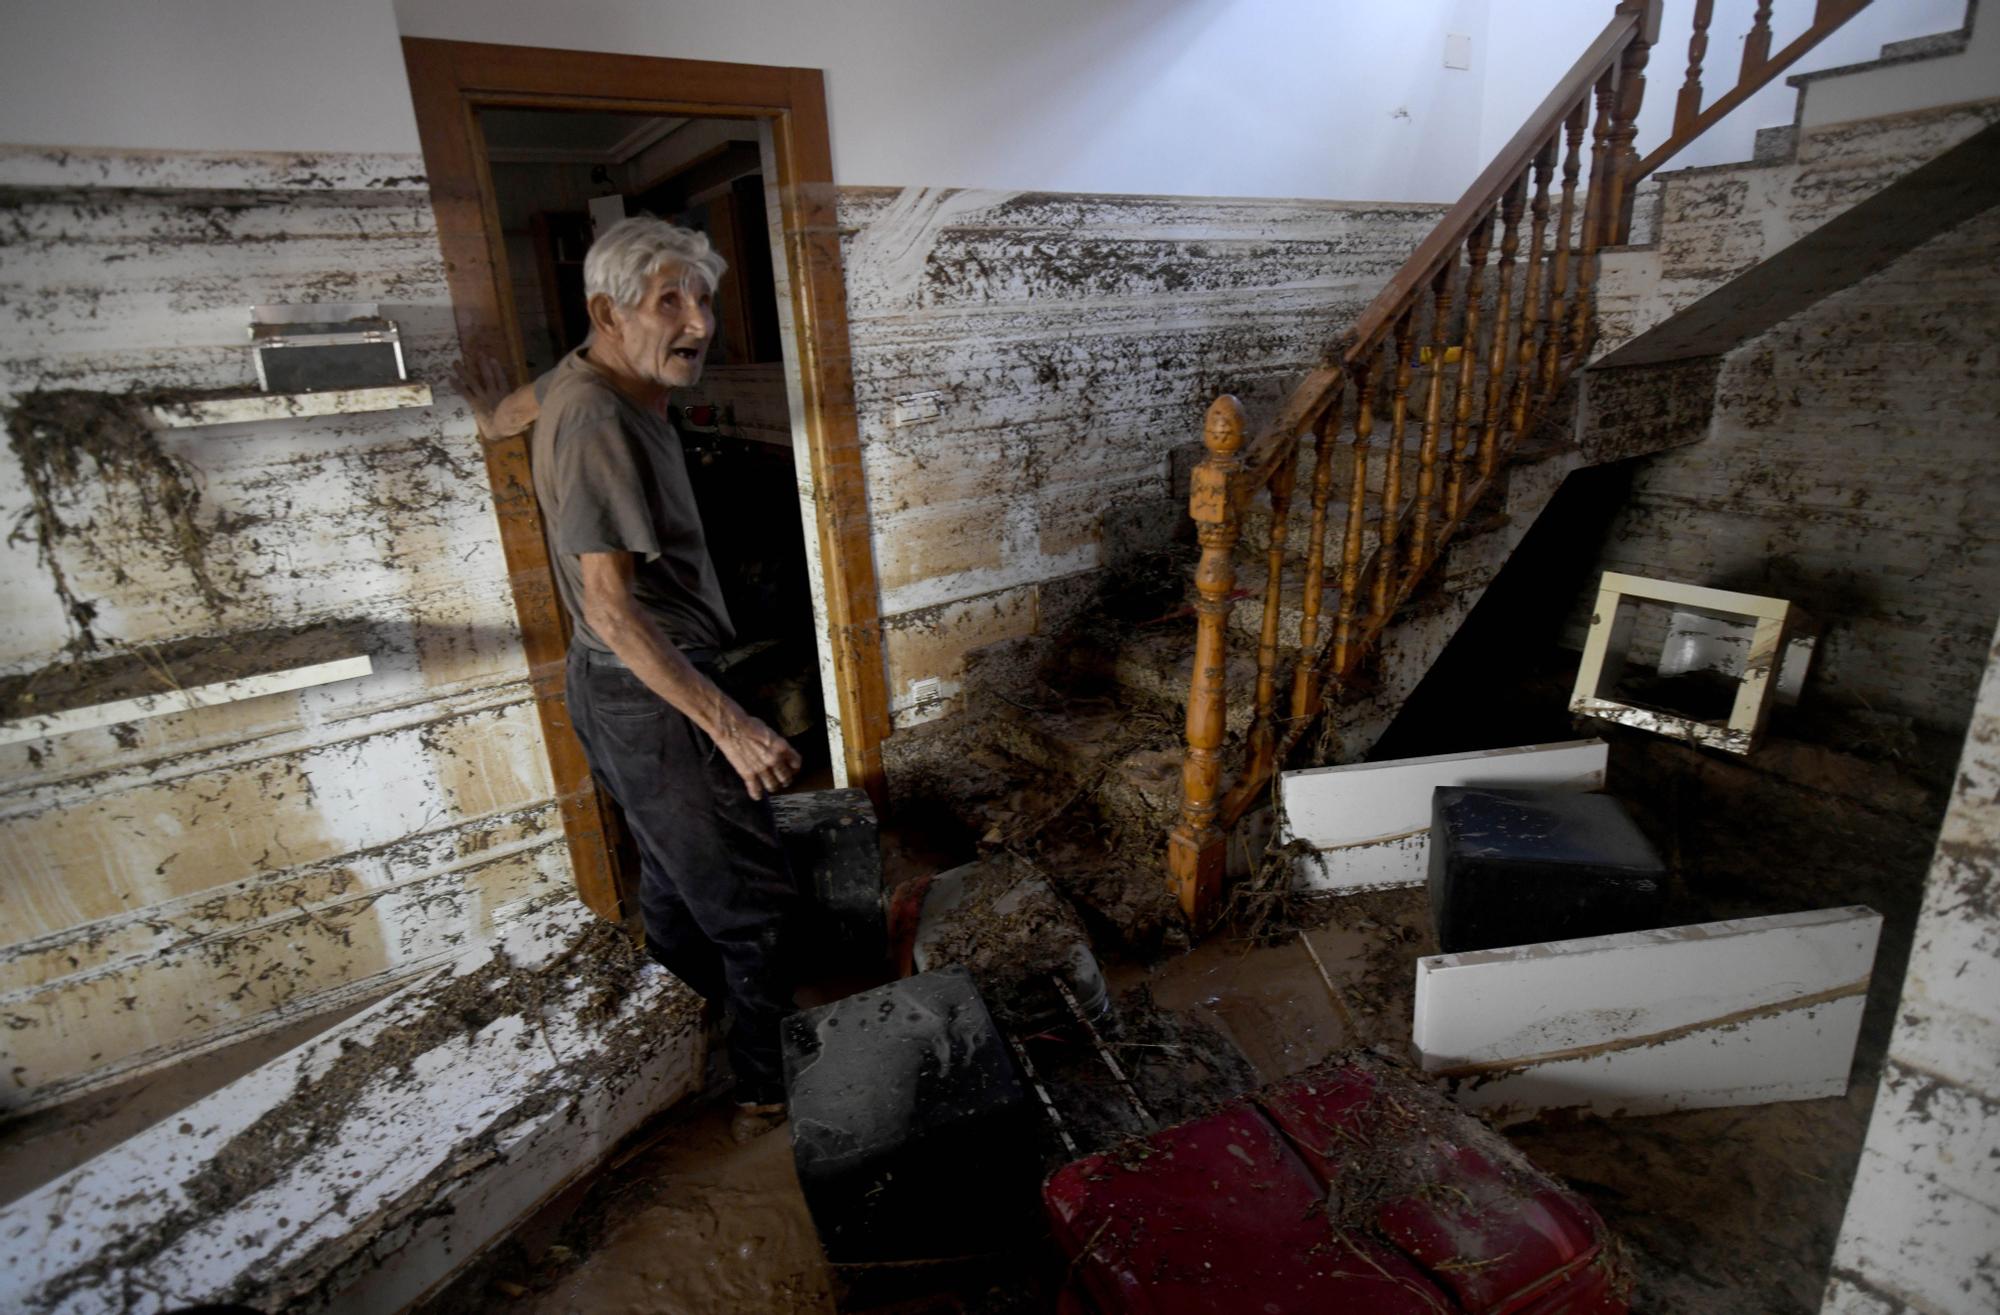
(171,883)
(1850,468)
(1024,363)
(1922,1230)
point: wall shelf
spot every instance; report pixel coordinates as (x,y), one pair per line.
(36,726)
(236,408)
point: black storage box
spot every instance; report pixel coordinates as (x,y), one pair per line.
(830,840)
(912,1133)
(1516,867)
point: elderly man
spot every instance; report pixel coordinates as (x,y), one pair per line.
(689,769)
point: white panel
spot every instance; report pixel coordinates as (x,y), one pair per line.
(1721,1013)
(438,1150)
(1923,1221)
(1371,821)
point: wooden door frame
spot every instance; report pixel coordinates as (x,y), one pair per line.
(450,81)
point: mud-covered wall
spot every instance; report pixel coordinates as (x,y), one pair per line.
(1850,468)
(169,882)
(1922,1231)
(1024,363)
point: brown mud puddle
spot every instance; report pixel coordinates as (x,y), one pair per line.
(694,1225)
(1271,999)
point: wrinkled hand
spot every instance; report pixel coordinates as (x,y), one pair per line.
(761,756)
(484,387)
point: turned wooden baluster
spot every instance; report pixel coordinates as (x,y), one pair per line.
(1534,315)
(1560,240)
(1427,481)
(1477,248)
(1344,645)
(1757,45)
(1263,731)
(1503,306)
(1615,227)
(1594,210)
(1388,524)
(1688,108)
(1195,846)
(1326,449)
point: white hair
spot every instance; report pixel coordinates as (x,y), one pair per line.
(632,250)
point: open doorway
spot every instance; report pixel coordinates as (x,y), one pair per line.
(525,151)
(560,177)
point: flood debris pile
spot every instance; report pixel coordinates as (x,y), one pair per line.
(367,1165)
(1001,920)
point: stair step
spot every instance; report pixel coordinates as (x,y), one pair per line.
(1154,666)
(1069,744)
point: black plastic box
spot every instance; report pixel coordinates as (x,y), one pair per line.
(1515,867)
(912,1133)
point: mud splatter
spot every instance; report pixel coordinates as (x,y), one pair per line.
(65,437)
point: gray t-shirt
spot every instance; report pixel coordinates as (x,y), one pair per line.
(611,477)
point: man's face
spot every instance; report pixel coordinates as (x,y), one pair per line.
(665,337)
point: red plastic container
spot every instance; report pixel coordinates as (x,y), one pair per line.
(1352,1189)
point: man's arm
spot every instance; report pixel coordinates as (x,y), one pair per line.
(759,754)
(497,412)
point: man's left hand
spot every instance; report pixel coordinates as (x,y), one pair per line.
(762,757)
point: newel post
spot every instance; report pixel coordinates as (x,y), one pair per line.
(1196,847)
(1624,161)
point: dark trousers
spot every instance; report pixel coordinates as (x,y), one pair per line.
(714,888)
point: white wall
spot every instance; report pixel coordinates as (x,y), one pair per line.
(204,75)
(1329,99)
(1339,100)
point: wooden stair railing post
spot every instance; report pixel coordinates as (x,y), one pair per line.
(1326,448)
(1560,242)
(1389,519)
(1688,107)
(1503,307)
(1357,508)
(1534,315)
(1599,197)
(1616,221)
(1464,395)
(1757,44)
(1420,520)
(1263,731)
(1195,847)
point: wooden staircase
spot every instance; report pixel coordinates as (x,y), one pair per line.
(1474,339)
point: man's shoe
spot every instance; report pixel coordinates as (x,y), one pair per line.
(753,1121)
